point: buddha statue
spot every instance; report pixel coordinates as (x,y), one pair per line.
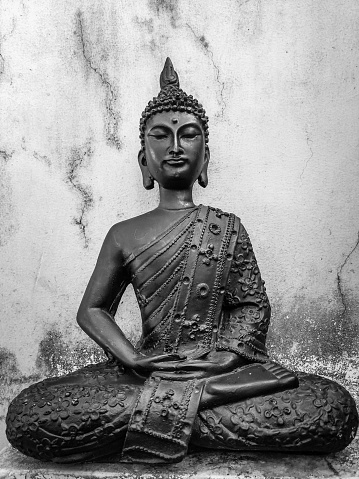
(200,374)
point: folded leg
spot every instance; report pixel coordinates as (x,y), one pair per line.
(74,418)
(84,415)
(318,416)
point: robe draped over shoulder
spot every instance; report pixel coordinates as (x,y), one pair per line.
(199,289)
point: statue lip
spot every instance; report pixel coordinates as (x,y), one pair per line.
(176,160)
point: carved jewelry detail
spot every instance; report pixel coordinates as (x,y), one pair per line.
(214,228)
(209,255)
(219,273)
(194,325)
(202,290)
(219,213)
(204,222)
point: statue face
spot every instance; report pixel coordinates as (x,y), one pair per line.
(175,149)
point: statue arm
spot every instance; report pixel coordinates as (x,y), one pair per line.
(246,313)
(100,300)
(98,307)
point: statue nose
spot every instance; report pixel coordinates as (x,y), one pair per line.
(176,146)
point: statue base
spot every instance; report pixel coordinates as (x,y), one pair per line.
(197,465)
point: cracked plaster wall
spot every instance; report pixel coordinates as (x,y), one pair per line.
(279,80)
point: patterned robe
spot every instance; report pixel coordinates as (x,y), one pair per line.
(199,289)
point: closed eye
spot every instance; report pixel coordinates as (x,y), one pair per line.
(159,137)
(190,136)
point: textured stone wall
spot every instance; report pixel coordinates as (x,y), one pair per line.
(279,80)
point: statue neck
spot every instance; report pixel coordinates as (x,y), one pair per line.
(175,199)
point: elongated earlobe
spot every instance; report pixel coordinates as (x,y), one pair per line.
(147,178)
(148,182)
(203,177)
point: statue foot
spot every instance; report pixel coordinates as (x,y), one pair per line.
(249,381)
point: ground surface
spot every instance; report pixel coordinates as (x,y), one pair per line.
(214,465)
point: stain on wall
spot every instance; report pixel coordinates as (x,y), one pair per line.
(2,64)
(12,381)
(56,356)
(147,24)
(8,221)
(341,288)
(43,158)
(112,115)
(204,43)
(309,328)
(79,159)
(167,7)
(8,364)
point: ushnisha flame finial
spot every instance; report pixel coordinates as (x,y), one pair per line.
(169,76)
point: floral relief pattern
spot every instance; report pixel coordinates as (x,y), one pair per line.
(55,416)
(319,414)
(247,312)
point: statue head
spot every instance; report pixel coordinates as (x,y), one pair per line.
(174,114)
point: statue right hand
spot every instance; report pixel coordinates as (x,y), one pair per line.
(162,362)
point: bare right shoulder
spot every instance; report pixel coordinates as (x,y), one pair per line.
(128,235)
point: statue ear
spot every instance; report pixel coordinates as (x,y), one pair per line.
(203,177)
(147,179)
